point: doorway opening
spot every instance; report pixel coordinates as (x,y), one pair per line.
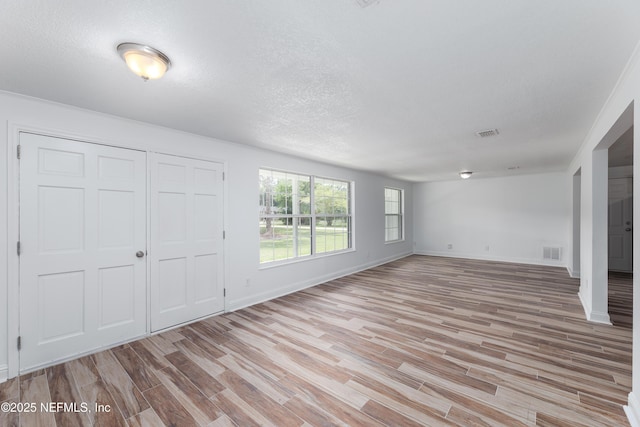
(620,230)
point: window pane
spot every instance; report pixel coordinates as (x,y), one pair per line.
(304,236)
(391,208)
(332,234)
(331,197)
(304,195)
(283,193)
(391,194)
(276,239)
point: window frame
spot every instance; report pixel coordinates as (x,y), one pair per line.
(399,215)
(312,216)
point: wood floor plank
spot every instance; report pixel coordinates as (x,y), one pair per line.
(310,412)
(266,384)
(239,411)
(9,418)
(146,418)
(393,418)
(418,341)
(189,396)
(349,414)
(149,353)
(63,389)
(200,357)
(35,389)
(127,396)
(103,409)
(207,384)
(264,404)
(168,409)
(84,371)
(10,389)
(142,375)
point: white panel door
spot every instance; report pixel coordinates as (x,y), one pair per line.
(82,220)
(621,224)
(186,240)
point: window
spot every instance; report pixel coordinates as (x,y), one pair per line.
(302,215)
(393,216)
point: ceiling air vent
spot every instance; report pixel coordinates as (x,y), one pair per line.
(366,3)
(488,133)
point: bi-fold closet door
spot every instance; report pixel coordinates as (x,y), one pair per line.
(83,218)
(82,221)
(186,240)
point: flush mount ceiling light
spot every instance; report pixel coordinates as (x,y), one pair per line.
(145,61)
(465,174)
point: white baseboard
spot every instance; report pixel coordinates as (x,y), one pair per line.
(574,274)
(475,256)
(81,354)
(633,410)
(594,316)
(298,286)
(4,373)
(598,317)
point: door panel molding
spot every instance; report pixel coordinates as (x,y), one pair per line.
(186,261)
(71,274)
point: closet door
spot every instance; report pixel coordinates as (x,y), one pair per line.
(186,240)
(82,238)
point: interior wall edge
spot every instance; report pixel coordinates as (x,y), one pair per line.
(633,410)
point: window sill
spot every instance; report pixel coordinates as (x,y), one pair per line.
(273,264)
(391,242)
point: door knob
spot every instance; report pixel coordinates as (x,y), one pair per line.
(627,229)
(139,254)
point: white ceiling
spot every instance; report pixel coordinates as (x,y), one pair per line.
(394,86)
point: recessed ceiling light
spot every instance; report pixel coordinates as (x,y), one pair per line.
(512,168)
(465,174)
(145,61)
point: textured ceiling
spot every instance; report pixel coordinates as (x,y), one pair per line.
(399,87)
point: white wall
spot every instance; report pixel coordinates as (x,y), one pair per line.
(246,282)
(514,217)
(617,115)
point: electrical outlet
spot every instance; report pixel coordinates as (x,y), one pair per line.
(450,246)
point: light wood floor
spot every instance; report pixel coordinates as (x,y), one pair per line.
(420,341)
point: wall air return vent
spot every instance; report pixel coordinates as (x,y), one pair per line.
(488,133)
(551,253)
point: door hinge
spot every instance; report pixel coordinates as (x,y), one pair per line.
(222,173)
(18,248)
(19,343)
(224,234)
(224,292)
(19,151)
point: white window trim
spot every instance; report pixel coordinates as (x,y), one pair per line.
(401,215)
(313,218)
